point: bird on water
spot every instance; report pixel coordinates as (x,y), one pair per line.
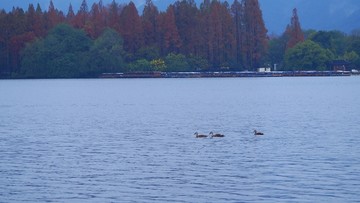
(197,135)
(258,133)
(216,135)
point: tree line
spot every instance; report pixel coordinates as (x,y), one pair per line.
(116,38)
(296,49)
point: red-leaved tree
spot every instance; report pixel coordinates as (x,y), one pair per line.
(131,28)
(255,37)
(294,31)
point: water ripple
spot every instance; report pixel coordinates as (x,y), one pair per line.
(138,145)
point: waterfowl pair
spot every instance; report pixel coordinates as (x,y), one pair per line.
(258,133)
(197,135)
(211,134)
(216,135)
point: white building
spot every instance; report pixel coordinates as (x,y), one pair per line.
(264,70)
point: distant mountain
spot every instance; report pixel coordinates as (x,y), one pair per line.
(343,15)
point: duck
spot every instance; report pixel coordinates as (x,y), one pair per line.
(216,135)
(197,135)
(258,133)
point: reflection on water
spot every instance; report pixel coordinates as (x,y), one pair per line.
(132,140)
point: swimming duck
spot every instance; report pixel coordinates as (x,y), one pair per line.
(216,135)
(197,135)
(258,133)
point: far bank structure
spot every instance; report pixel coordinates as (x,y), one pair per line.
(262,72)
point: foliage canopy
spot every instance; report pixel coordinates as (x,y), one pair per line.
(308,56)
(115,37)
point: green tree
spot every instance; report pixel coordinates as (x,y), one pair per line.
(176,62)
(353,58)
(308,34)
(140,65)
(197,63)
(353,43)
(276,51)
(148,53)
(107,53)
(307,56)
(334,41)
(62,54)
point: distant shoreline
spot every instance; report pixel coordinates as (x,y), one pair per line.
(208,74)
(226,74)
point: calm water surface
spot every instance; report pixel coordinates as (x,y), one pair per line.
(132,140)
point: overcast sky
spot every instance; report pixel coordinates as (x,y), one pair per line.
(316,14)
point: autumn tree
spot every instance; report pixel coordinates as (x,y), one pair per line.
(17,34)
(294,31)
(102,17)
(96,23)
(187,22)
(279,45)
(12,25)
(82,15)
(39,23)
(170,39)
(54,16)
(217,33)
(34,21)
(205,24)
(131,28)
(113,16)
(220,34)
(4,45)
(18,42)
(150,23)
(227,37)
(237,13)
(70,16)
(255,37)
(17,22)
(30,18)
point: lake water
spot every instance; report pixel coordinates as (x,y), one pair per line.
(132,140)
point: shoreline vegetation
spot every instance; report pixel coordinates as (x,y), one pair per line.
(227,37)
